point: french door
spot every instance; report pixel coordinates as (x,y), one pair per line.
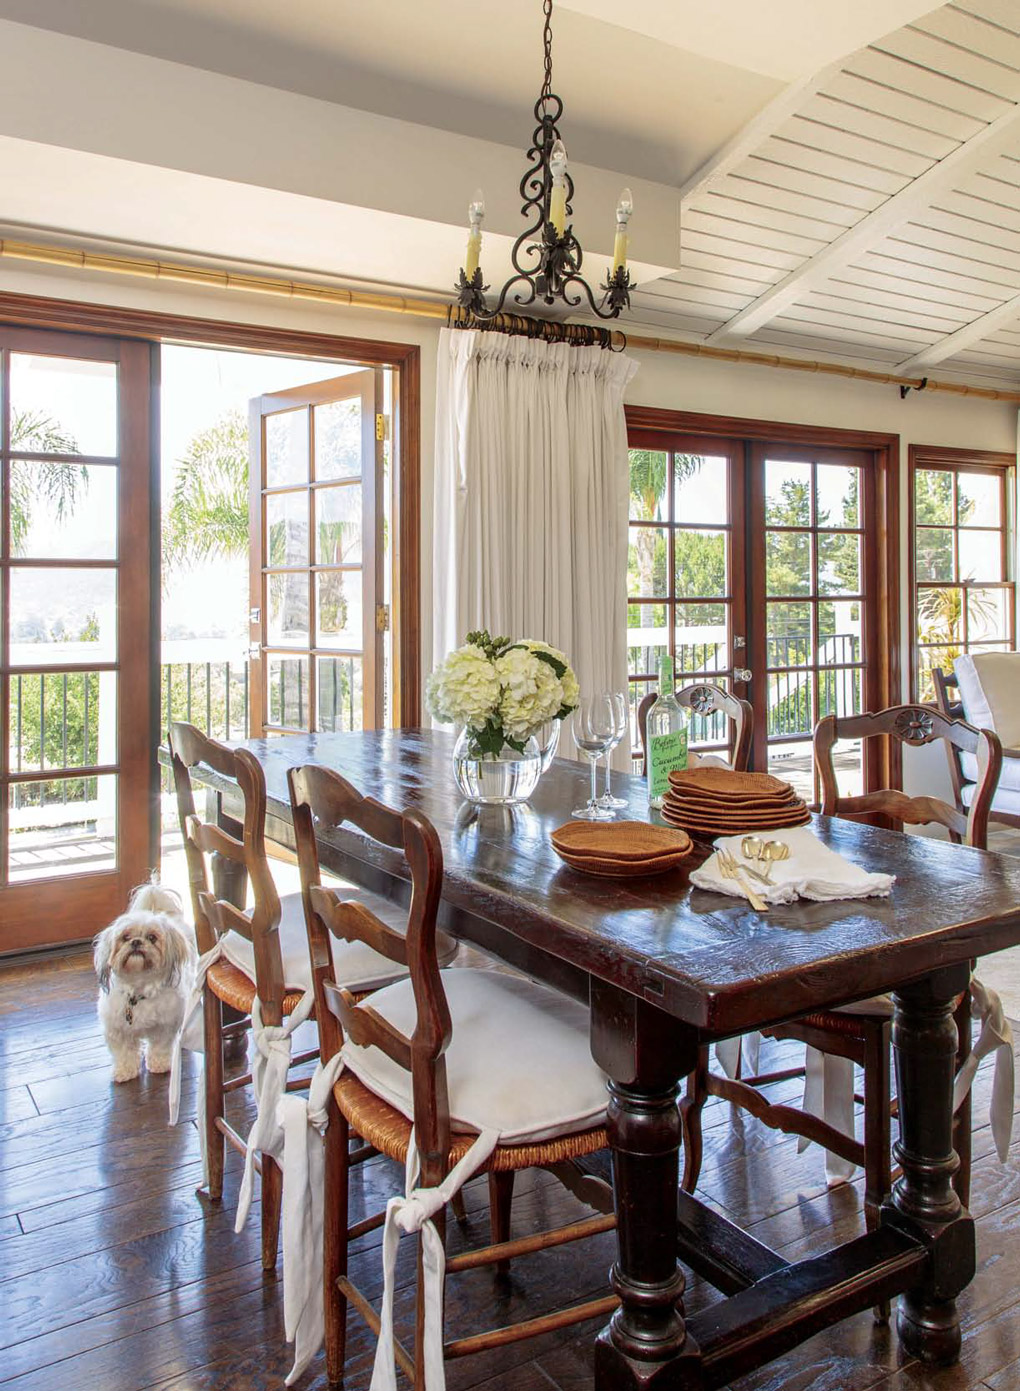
(317,549)
(751,566)
(77,770)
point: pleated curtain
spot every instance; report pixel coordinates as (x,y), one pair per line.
(531,498)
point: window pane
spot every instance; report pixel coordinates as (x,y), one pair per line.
(637,690)
(979,499)
(62,719)
(647,638)
(788,641)
(838,494)
(839,631)
(980,555)
(839,563)
(933,550)
(287,605)
(788,562)
(647,563)
(987,616)
(338,525)
(839,693)
(339,694)
(700,488)
(702,640)
(62,826)
(63,617)
(287,683)
(794,762)
(787,494)
(700,564)
(287,528)
(649,478)
(790,704)
(63,405)
(338,616)
(338,439)
(933,497)
(63,511)
(928,658)
(939,615)
(286,448)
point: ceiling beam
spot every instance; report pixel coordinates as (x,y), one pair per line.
(768,120)
(997,137)
(1002,316)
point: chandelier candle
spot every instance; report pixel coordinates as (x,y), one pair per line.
(476,211)
(623,211)
(665,735)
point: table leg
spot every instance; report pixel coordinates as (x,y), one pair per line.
(645,1054)
(924,1202)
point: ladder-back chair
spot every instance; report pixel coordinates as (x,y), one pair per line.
(860,1034)
(706,700)
(949,704)
(414,1028)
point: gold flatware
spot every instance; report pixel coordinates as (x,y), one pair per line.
(730,869)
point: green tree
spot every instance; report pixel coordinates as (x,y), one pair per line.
(208,513)
(56,485)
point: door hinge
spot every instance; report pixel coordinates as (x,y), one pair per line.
(382,427)
(382,618)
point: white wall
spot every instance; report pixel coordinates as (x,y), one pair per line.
(666,381)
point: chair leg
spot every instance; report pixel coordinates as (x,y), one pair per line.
(459,1210)
(962,1127)
(334,1251)
(877,1134)
(215,1142)
(272,1202)
(501,1194)
(690,1121)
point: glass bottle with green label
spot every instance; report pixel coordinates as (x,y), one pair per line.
(665,735)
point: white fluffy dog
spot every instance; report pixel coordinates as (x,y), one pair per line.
(145,963)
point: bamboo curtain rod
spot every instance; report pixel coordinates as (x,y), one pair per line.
(179,273)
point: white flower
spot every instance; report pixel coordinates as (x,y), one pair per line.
(571,689)
(464,689)
(532,692)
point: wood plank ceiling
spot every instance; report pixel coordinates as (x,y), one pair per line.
(874,214)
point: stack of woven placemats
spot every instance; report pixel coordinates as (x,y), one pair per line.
(718,802)
(620,849)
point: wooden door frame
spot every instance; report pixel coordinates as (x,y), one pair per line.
(37,311)
(92,898)
(886,767)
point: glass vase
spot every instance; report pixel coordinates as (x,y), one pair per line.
(502,780)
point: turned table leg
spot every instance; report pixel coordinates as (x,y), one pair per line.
(924,1202)
(645,1054)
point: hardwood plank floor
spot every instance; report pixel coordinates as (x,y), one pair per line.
(116,1275)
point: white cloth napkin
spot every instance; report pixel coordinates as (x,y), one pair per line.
(813,871)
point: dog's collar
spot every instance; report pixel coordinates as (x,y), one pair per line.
(133,999)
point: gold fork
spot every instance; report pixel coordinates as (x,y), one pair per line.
(730,869)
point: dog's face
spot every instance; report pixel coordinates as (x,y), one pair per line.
(141,945)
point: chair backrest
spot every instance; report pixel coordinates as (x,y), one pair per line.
(949,704)
(322,800)
(232,860)
(913,725)
(706,700)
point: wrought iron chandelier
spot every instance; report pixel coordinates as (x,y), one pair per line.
(547,257)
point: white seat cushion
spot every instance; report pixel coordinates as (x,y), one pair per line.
(1006,799)
(358,966)
(519,1061)
(1009,778)
(990,692)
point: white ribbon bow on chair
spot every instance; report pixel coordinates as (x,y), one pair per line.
(270,1065)
(996,1034)
(414,1213)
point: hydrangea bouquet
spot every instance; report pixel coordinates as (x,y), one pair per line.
(501,691)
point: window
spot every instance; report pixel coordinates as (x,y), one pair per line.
(963,575)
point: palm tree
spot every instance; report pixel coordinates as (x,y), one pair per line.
(57,485)
(208,513)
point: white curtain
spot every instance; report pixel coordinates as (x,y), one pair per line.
(531,498)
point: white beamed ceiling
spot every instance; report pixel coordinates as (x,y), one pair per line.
(840,191)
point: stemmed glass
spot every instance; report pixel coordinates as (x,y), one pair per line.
(620,718)
(594,729)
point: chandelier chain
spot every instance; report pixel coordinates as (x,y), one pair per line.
(547,44)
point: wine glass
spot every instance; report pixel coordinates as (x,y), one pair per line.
(620,719)
(594,728)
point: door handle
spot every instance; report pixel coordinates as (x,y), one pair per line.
(742,674)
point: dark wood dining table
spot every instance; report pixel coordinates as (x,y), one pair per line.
(667,967)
